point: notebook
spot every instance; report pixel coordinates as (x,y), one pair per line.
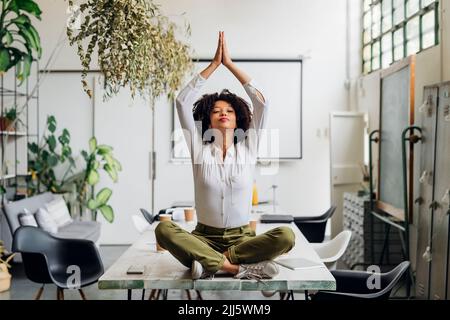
(276,218)
(299,263)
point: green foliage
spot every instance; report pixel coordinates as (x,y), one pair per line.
(54,151)
(99,157)
(136,47)
(19,40)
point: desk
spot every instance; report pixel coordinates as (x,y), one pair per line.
(163,271)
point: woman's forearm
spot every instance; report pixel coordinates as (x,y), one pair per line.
(208,71)
(238,73)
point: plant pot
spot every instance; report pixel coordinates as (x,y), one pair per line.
(6,124)
(5,278)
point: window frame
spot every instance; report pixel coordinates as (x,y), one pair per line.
(422,11)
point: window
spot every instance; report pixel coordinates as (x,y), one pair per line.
(395,29)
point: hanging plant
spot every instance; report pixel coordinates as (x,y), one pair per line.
(19,40)
(136,47)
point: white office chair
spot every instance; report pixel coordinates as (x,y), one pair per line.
(330,251)
(140,223)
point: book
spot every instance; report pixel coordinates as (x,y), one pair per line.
(299,263)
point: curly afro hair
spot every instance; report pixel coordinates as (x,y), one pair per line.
(204,106)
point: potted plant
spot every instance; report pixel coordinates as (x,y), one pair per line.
(5,276)
(99,157)
(136,46)
(19,40)
(9,121)
(54,151)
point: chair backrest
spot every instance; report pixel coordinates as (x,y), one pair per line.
(391,278)
(329,252)
(47,258)
(327,215)
(148,216)
(29,242)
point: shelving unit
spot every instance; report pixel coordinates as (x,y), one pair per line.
(14,142)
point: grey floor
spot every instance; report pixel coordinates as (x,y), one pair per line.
(23,289)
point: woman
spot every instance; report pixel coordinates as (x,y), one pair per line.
(223,153)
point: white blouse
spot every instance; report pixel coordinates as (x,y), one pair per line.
(223,187)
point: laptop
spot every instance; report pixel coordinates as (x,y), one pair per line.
(276,218)
(299,263)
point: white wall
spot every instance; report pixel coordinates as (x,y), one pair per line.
(254,29)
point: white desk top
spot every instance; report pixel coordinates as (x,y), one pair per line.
(163,271)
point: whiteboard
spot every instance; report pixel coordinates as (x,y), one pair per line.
(280,81)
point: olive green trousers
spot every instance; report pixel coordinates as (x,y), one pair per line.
(207,244)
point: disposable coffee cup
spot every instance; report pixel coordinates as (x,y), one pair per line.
(189,214)
(252,224)
(165,217)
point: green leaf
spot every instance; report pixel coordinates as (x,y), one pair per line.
(25,5)
(64,138)
(109,160)
(93,177)
(51,124)
(104,149)
(4,59)
(107,212)
(85,155)
(95,165)
(51,141)
(92,204)
(33,147)
(111,171)
(21,19)
(92,144)
(27,60)
(117,165)
(52,161)
(37,40)
(7,38)
(103,196)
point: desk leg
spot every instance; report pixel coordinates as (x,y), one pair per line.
(143,294)
(129,294)
(306,296)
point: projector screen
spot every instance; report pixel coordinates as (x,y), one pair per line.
(280,82)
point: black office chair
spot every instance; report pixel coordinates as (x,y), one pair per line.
(352,285)
(313,228)
(48,259)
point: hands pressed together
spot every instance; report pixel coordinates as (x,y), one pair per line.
(222,55)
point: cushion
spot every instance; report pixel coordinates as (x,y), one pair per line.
(89,230)
(45,221)
(27,219)
(58,211)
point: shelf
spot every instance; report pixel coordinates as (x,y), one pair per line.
(8,176)
(13,133)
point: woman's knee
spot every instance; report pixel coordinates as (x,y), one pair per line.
(164,229)
(286,237)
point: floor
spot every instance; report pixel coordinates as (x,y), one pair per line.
(23,289)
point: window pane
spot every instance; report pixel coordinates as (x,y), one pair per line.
(398,44)
(376,21)
(366,53)
(367,67)
(386,42)
(366,36)
(386,7)
(399,11)
(367,20)
(386,48)
(367,5)
(412,36)
(412,6)
(376,56)
(427,2)
(387,23)
(429,34)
